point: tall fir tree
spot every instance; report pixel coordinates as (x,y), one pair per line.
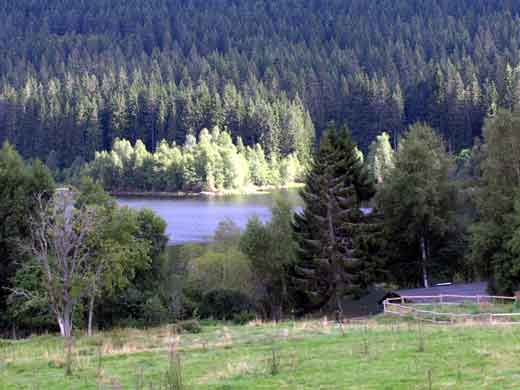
(328,229)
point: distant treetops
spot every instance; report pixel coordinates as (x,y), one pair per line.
(82,73)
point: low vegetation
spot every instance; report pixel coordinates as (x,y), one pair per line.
(306,354)
(471,308)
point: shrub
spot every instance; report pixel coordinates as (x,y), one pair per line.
(243,317)
(225,304)
(154,312)
(190,326)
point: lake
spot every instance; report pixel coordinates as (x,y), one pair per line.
(194,219)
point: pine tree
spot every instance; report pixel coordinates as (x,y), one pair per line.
(330,224)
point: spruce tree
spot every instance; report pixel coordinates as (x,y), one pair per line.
(328,229)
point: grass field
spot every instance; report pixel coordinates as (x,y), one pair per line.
(378,354)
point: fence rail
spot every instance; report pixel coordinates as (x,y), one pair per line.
(411,306)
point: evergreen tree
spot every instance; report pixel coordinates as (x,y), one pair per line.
(331,223)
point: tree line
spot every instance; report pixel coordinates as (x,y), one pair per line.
(74,76)
(409,216)
(436,216)
(210,163)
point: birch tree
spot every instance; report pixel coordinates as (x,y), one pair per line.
(418,201)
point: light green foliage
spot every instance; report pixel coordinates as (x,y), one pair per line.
(271,250)
(118,244)
(359,154)
(258,165)
(380,158)
(222,265)
(291,170)
(213,163)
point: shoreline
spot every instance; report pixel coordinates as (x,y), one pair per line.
(264,190)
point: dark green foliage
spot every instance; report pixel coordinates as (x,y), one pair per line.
(419,202)
(19,184)
(244,317)
(494,244)
(224,304)
(76,75)
(188,326)
(329,230)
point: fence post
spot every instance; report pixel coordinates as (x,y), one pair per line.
(478,299)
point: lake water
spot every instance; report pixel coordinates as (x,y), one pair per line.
(194,219)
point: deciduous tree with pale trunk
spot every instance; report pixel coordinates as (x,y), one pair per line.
(418,201)
(59,244)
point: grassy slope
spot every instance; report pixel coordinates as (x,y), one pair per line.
(312,355)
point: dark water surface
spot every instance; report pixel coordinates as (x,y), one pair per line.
(194,219)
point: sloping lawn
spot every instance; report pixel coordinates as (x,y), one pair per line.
(378,354)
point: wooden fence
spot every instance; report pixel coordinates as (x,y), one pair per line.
(413,306)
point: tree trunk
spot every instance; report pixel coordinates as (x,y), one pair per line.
(339,304)
(62,326)
(65,323)
(283,301)
(336,266)
(424,261)
(68,355)
(90,315)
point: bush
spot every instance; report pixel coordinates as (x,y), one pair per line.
(154,312)
(225,304)
(243,317)
(190,326)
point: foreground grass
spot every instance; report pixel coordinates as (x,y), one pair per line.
(380,354)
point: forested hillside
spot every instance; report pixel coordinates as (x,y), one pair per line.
(77,74)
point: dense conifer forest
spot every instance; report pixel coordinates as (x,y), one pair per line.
(121,96)
(76,75)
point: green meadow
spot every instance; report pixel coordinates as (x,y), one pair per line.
(376,354)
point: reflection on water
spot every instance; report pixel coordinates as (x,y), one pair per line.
(195,219)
